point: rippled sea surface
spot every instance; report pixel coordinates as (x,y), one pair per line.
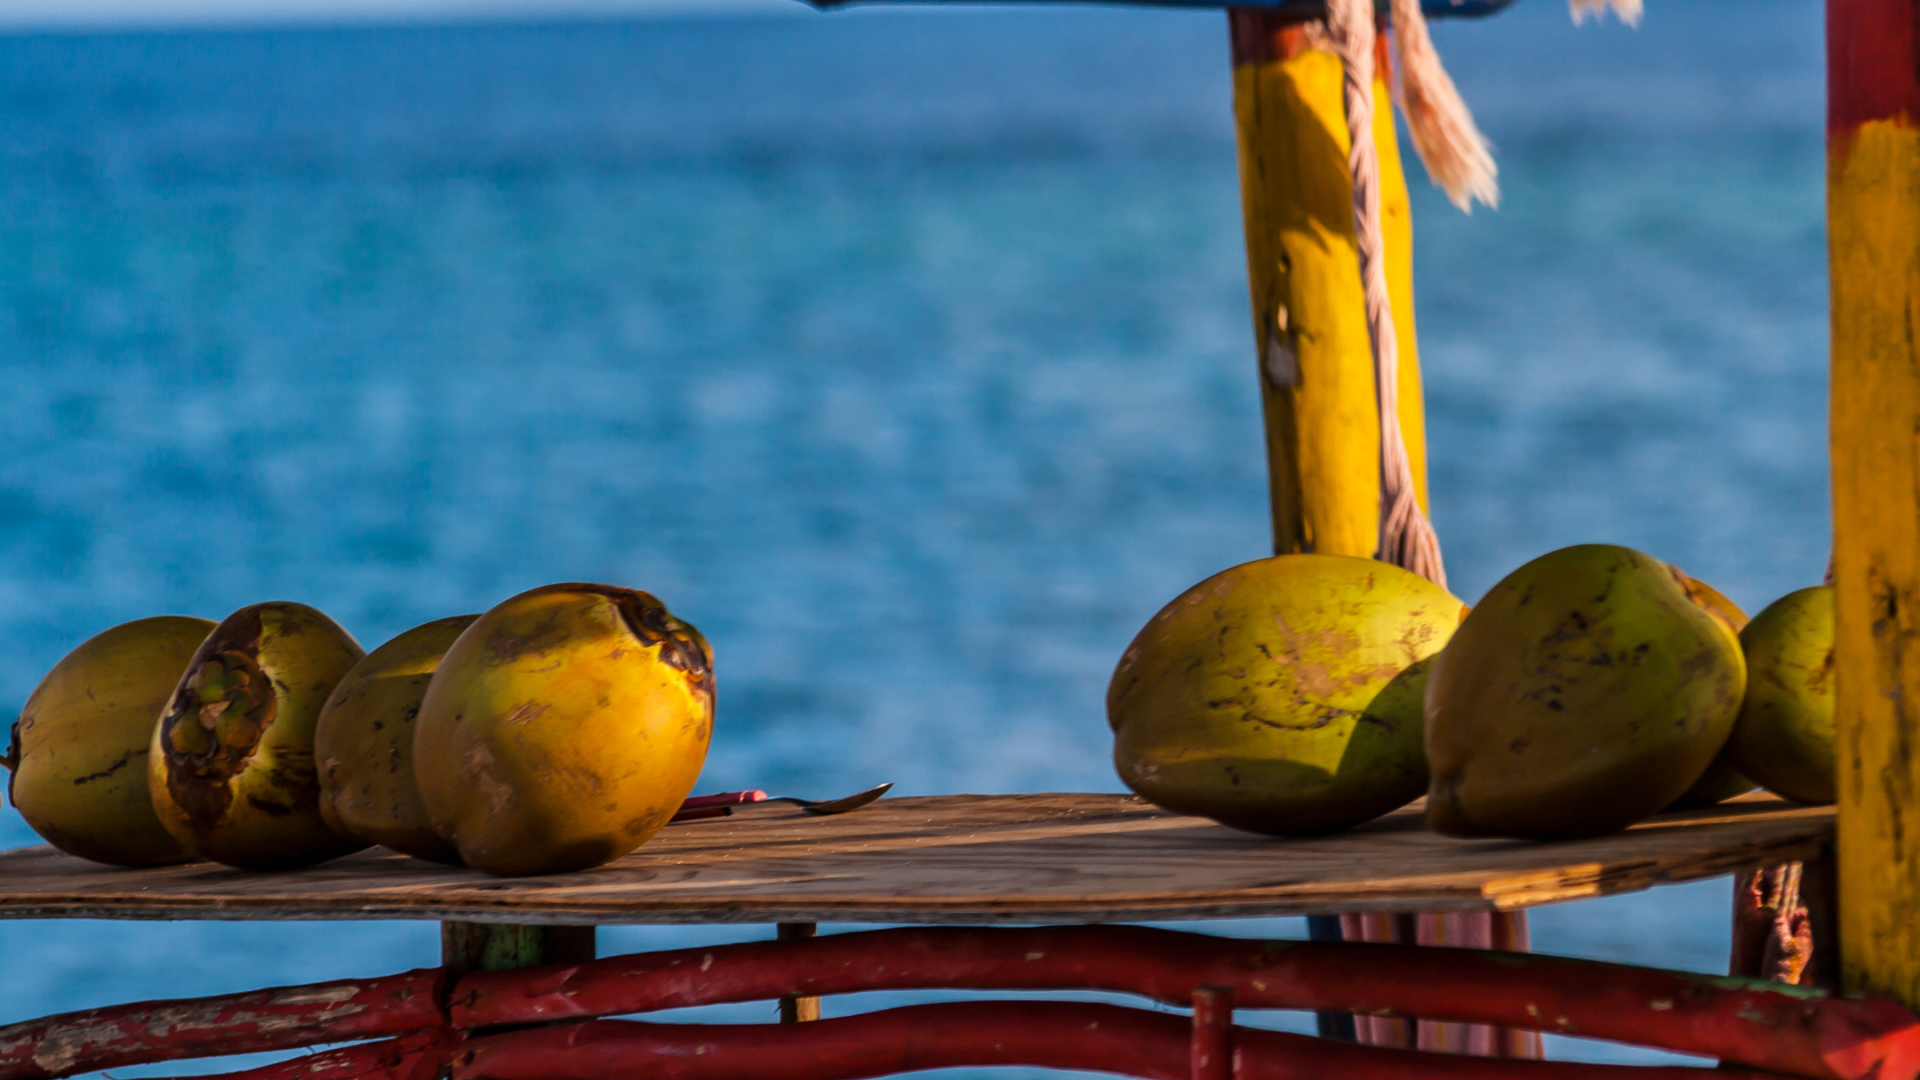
(907,353)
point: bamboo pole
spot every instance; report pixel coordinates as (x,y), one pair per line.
(1873,236)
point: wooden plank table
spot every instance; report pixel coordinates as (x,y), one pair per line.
(956,859)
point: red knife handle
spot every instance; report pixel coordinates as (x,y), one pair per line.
(725,798)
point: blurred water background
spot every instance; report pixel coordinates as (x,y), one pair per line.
(907,353)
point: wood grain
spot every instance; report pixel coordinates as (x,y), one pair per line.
(955,859)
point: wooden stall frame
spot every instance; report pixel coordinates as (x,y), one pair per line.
(963,861)
(518,957)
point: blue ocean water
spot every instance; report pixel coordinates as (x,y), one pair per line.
(907,353)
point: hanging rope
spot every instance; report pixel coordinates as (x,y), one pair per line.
(1459,160)
(1457,156)
(1406,536)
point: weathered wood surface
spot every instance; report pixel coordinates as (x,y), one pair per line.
(955,859)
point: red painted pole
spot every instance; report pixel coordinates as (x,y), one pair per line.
(1044,1034)
(1763,1025)
(419,1056)
(795,1009)
(275,1019)
(1387,928)
(1756,1024)
(1211,1053)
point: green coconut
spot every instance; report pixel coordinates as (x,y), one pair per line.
(1585,692)
(1721,781)
(1784,737)
(1282,696)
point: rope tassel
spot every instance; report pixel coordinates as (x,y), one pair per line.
(1450,145)
(1406,537)
(1627,11)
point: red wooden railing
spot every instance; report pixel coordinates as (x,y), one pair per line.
(432,1028)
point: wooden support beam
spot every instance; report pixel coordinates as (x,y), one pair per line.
(1873,237)
(1820,894)
(472,946)
(797,1008)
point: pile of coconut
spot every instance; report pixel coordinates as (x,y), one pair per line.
(556,732)
(1592,688)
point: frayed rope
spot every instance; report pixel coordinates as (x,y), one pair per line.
(1457,156)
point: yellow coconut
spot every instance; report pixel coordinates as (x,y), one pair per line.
(231,770)
(563,729)
(1282,696)
(1710,600)
(364,744)
(1585,692)
(1721,781)
(79,750)
(1785,736)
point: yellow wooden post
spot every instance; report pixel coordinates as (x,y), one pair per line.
(1310,329)
(1873,236)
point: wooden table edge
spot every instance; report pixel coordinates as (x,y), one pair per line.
(1418,885)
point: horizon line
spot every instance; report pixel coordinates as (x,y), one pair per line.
(137,16)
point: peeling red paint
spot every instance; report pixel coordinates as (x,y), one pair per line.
(1764,1025)
(1873,63)
(1045,1034)
(1746,1023)
(273,1019)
